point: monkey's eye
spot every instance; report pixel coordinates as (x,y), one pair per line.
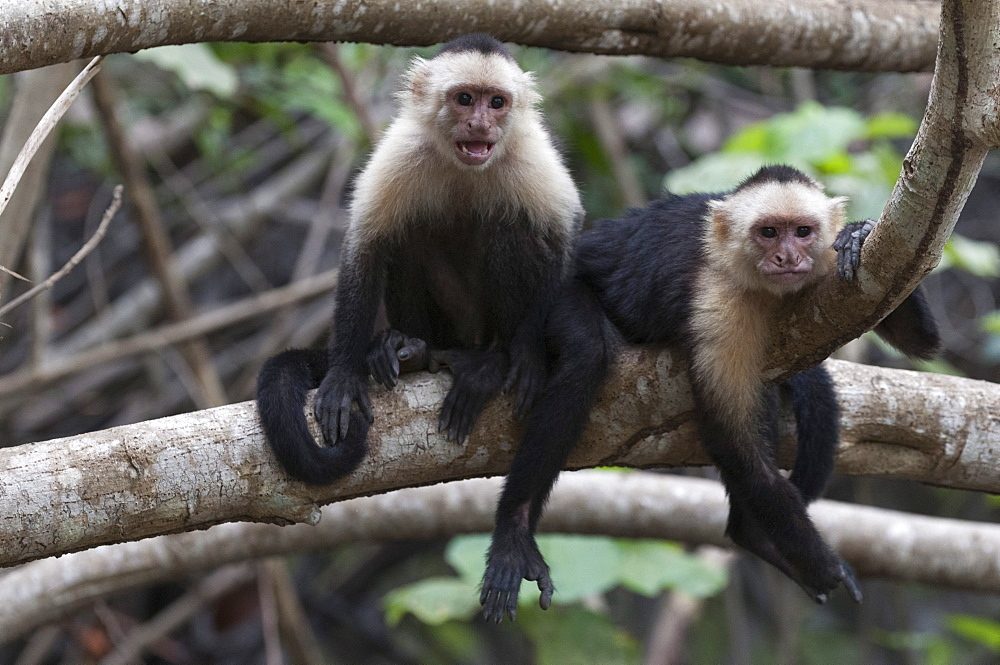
(803,231)
(497,102)
(768,231)
(464,99)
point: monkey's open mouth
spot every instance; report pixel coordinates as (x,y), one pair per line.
(473,153)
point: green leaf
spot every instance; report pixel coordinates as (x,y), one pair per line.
(979,630)
(648,566)
(981,258)
(433,601)
(467,555)
(581,566)
(576,636)
(990,323)
(196,65)
(717,172)
(890,125)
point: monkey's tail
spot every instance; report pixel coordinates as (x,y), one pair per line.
(817,422)
(282,385)
(911,327)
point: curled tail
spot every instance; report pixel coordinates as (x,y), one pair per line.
(817,422)
(282,385)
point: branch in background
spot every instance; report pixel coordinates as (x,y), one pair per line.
(35,93)
(44,127)
(176,298)
(197,469)
(869,35)
(878,543)
(168,335)
(87,248)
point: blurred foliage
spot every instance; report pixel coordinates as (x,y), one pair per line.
(852,155)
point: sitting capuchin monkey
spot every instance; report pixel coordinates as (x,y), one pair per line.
(461,231)
(707,274)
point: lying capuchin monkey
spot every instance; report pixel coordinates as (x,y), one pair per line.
(705,274)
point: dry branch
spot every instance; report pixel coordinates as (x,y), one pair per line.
(81,254)
(891,35)
(197,326)
(879,543)
(197,469)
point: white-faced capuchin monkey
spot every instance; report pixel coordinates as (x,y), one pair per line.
(707,274)
(462,227)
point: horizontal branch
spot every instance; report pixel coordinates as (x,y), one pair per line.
(865,35)
(193,470)
(878,543)
(172,333)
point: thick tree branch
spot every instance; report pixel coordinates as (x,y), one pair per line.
(892,35)
(197,469)
(879,543)
(959,127)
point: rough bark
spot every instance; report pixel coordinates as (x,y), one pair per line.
(893,35)
(878,543)
(197,469)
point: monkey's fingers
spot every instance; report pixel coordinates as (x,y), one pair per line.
(447,411)
(499,593)
(850,582)
(343,417)
(365,404)
(545,586)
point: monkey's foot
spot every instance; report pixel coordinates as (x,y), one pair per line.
(391,353)
(479,375)
(840,573)
(528,372)
(518,559)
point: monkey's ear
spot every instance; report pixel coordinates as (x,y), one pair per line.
(718,219)
(417,77)
(838,212)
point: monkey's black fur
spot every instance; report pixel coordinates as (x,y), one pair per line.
(635,281)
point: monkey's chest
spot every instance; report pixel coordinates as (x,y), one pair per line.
(437,286)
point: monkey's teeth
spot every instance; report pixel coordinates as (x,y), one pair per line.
(478,148)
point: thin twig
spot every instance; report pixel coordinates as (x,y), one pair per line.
(44,127)
(87,248)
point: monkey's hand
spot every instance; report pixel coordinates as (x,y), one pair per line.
(337,394)
(511,560)
(848,245)
(528,371)
(391,353)
(479,375)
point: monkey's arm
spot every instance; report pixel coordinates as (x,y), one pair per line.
(910,327)
(359,291)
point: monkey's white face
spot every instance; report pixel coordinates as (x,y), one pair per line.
(476,116)
(786,249)
(775,236)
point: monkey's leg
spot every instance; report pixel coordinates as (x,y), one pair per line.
(579,341)
(767,503)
